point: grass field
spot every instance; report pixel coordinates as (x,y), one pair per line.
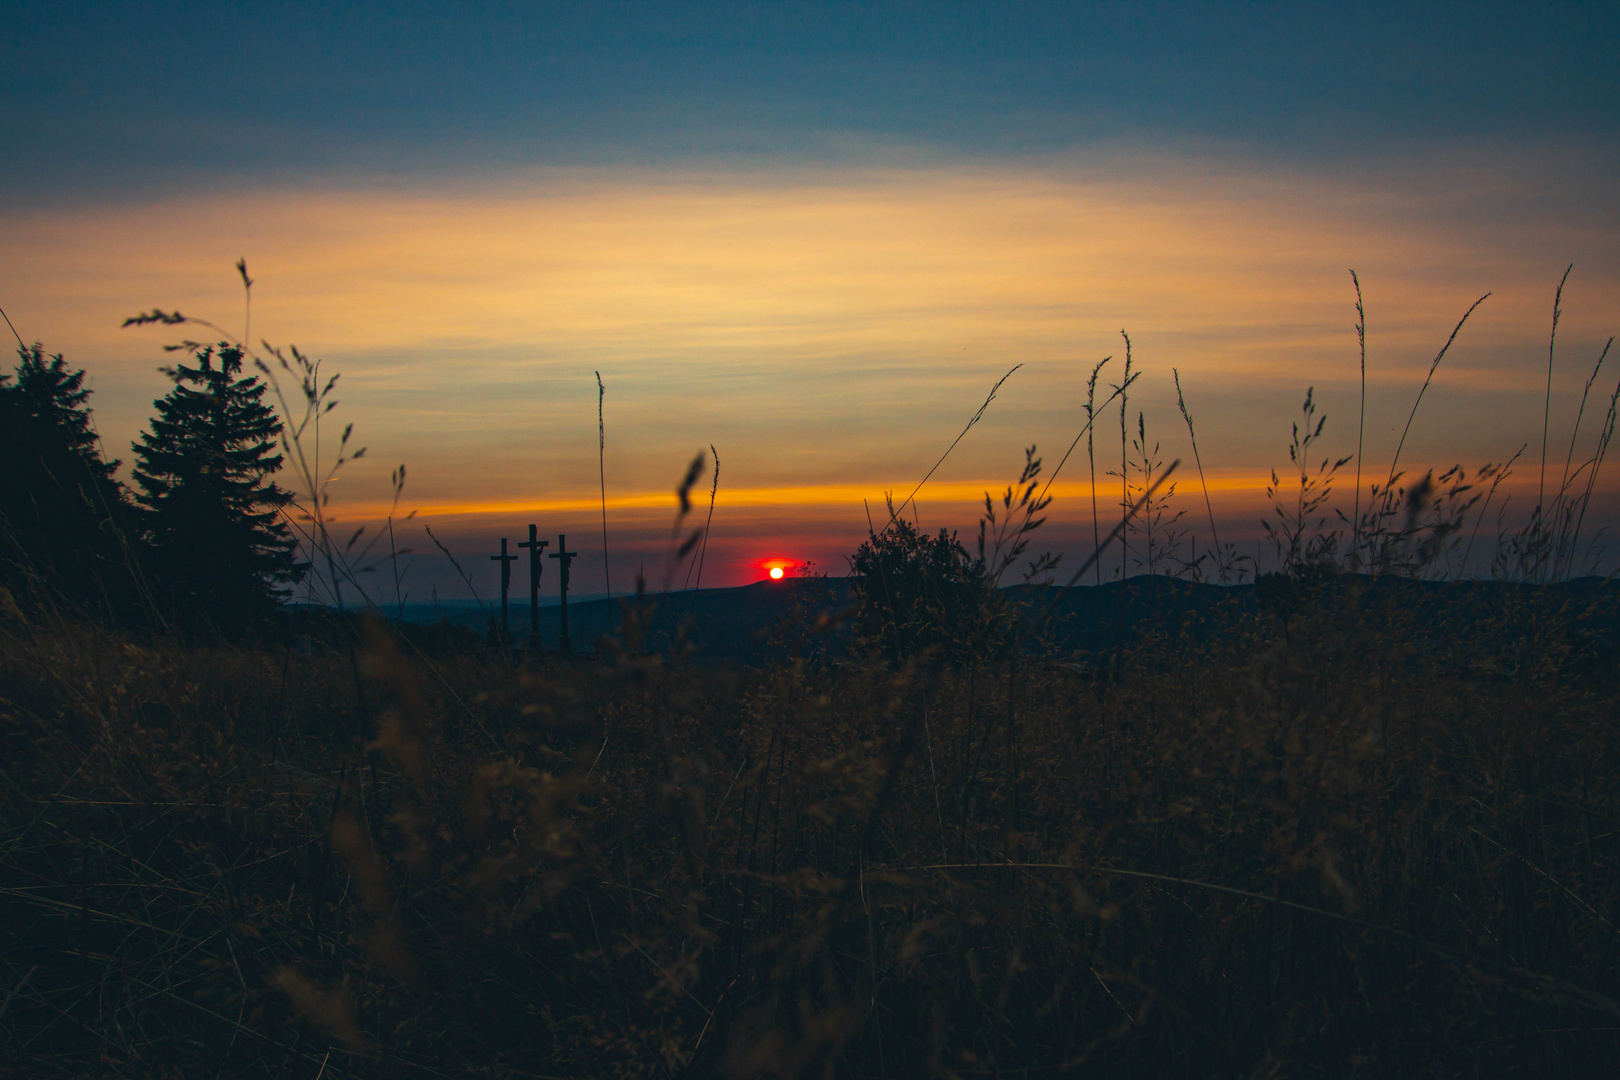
(1329,841)
(1357,818)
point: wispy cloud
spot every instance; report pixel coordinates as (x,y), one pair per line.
(830,329)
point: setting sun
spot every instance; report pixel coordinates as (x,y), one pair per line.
(871,279)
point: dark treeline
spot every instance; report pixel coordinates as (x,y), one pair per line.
(199,547)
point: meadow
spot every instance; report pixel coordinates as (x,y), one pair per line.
(1358,817)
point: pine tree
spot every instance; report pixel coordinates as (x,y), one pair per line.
(212,512)
(65,521)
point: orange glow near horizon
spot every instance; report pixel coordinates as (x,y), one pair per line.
(829,331)
(812,498)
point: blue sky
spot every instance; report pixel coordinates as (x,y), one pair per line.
(114,97)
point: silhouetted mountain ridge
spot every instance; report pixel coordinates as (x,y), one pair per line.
(746,624)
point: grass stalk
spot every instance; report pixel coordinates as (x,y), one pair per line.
(1124,464)
(708,522)
(1091,460)
(601,480)
(1181,402)
(1427,379)
(894,511)
(1546,408)
(1361,424)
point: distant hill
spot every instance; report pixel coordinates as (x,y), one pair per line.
(744,625)
(728,624)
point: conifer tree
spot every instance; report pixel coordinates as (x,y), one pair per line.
(65,521)
(212,512)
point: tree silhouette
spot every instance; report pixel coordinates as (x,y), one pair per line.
(64,520)
(212,512)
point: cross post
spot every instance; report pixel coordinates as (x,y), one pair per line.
(536,568)
(563,557)
(506,562)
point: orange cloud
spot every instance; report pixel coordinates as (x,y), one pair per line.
(831,331)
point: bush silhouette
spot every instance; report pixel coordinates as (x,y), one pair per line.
(924,594)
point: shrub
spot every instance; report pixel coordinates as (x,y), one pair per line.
(921,595)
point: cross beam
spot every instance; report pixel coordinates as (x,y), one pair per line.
(563,557)
(536,568)
(506,562)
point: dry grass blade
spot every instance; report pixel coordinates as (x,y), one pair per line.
(1119,530)
(601,479)
(1215,537)
(1361,422)
(894,511)
(1434,365)
(1546,410)
(13,329)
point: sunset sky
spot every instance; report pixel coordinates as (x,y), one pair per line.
(813,235)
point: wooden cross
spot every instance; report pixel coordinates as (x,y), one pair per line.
(506,562)
(564,557)
(536,568)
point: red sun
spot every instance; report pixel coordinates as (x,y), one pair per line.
(776,573)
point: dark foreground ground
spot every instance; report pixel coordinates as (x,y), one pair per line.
(1344,829)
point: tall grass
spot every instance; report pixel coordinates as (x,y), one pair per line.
(1091,458)
(1322,837)
(1358,825)
(601,477)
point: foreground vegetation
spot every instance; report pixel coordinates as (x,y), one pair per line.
(1334,841)
(1351,819)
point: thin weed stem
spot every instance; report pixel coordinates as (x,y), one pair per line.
(1433,365)
(1091,459)
(1546,409)
(601,479)
(1181,402)
(1361,423)
(1124,464)
(894,511)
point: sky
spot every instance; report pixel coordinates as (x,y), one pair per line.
(812,236)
